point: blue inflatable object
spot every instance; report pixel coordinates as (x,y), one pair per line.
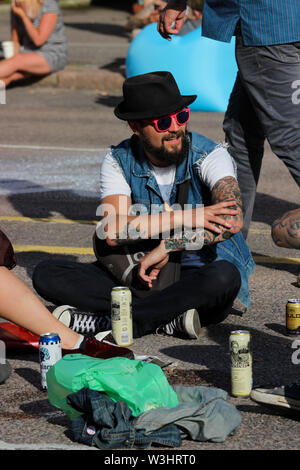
(200,65)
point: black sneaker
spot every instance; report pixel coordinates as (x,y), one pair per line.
(286,396)
(186,324)
(84,323)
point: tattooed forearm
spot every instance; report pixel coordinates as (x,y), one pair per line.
(286,230)
(226,189)
(191,239)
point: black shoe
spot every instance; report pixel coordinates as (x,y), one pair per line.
(186,324)
(84,323)
(286,396)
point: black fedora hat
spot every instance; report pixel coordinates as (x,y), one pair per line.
(150,96)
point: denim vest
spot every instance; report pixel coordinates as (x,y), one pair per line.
(145,192)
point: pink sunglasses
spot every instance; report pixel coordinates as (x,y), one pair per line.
(163,124)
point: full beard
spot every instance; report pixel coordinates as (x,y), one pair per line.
(168,157)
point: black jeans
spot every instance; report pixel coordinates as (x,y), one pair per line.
(210,289)
(263,105)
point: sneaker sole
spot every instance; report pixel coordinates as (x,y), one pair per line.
(62,314)
(192,324)
(262,396)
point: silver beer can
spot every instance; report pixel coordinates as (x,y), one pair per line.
(241,363)
(50,353)
(121,315)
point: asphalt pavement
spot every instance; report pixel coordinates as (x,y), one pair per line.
(53,140)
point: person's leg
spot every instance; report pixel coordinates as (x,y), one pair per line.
(269,75)
(23,65)
(84,286)
(18,304)
(273,98)
(245,139)
(211,290)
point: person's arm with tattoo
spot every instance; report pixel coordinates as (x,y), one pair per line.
(119,228)
(226,189)
(286,230)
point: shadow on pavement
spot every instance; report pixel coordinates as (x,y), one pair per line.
(108,100)
(34,200)
(270,410)
(291,268)
(268,208)
(100,28)
(272,357)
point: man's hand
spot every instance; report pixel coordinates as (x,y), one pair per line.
(171,19)
(156,260)
(213,216)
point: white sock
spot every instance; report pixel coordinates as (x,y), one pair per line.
(80,339)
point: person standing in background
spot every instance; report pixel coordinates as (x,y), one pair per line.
(263,103)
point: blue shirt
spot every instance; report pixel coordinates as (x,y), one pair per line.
(263,22)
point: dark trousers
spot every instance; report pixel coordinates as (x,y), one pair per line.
(264,104)
(210,289)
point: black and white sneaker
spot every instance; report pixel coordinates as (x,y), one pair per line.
(84,323)
(285,396)
(186,324)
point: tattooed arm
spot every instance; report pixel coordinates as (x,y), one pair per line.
(119,228)
(286,230)
(225,190)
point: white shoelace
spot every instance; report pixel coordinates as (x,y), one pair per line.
(85,323)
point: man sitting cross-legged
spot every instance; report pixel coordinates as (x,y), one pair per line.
(147,170)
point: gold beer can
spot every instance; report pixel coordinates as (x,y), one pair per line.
(241,363)
(293,317)
(121,315)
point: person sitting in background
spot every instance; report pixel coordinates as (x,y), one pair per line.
(40,45)
(286,234)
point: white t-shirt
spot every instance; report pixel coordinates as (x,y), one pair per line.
(218,164)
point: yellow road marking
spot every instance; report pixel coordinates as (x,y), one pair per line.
(74,250)
(47,220)
(66,250)
(273,260)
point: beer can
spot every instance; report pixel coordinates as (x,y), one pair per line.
(50,353)
(241,363)
(293,317)
(121,315)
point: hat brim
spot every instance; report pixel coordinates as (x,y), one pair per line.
(185,101)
